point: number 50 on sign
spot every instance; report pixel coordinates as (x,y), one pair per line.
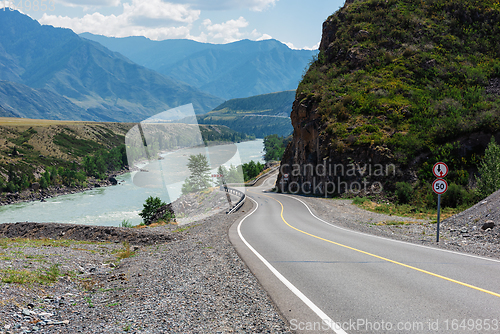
(439,186)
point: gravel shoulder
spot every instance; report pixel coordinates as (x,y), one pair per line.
(465,232)
(194,282)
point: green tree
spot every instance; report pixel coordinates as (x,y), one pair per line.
(274,147)
(43,182)
(489,170)
(235,175)
(25,183)
(12,187)
(150,207)
(252,169)
(199,178)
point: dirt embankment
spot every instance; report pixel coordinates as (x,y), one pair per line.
(86,233)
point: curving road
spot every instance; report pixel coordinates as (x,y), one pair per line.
(324,278)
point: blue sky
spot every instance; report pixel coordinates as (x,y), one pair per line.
(293,22)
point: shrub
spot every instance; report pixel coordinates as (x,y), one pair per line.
(126,223)
(360,200)
(404,192)
(489,170)
(150,207)
(455,196)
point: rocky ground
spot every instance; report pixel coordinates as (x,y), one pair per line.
(194,283)
(197,206)
(474,231)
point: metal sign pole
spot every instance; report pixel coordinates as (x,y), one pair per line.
(439,210)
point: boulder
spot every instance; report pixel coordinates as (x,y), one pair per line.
(113,181)
(488,224)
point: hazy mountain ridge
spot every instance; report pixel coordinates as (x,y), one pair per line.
(105,83)
(234,70)
(18,100)
(259,116)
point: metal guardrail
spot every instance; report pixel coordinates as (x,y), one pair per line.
(237,193)
(263,175)
(241,194)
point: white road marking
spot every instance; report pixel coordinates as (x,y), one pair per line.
(327,321)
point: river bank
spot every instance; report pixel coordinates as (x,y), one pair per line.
(35,193)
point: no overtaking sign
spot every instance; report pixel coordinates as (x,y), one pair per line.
(440,170)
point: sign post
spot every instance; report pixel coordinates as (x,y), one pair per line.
(439,186)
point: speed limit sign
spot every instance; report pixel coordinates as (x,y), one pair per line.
(439,186)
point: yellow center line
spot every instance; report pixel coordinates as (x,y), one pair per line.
(381,257)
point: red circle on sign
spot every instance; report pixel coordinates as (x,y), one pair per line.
(439,186)
(440,169)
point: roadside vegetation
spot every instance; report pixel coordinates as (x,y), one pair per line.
(274,147)
(420,202)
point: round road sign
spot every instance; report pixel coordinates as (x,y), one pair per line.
(440,170)
(439,186)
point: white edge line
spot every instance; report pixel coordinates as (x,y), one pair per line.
(393,240)
(322,315)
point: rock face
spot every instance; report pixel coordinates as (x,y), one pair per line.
(314,166)
(315,163)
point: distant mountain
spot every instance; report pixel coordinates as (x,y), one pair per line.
(240,69)
(18,100)
(105,85)
(259,116)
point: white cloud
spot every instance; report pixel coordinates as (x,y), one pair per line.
(159,20)
(316,47)
(255,5)
(156,9)
(293,47)
(135,20)
(264,37)
(228,31)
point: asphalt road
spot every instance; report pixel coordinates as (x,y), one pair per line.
(325,278)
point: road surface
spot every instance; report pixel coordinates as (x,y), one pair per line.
(325,278)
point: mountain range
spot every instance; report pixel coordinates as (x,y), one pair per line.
(53,73)
(234,70)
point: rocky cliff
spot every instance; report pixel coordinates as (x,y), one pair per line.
(394,89)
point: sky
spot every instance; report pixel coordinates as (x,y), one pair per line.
(296,23)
